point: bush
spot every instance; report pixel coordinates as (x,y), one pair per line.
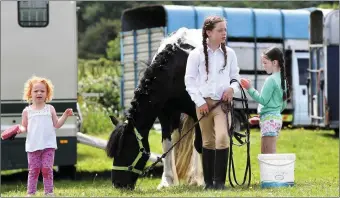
(99,77)
(95,118)
(113,49)
(107,89)
(97,68)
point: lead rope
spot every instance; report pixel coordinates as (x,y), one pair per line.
(232,133)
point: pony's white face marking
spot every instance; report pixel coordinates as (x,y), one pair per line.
(192,37)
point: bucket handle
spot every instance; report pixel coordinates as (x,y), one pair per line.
(276,164)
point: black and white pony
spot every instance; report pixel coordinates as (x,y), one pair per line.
(161,93)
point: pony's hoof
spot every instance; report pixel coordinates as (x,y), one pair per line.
(165,183)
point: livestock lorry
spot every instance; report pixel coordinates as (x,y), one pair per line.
(38,39)
(323,70)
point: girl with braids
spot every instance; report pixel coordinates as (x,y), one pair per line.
(272,99)
(210,68)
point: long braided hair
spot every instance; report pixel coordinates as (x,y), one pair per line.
(209,24)
(275,53)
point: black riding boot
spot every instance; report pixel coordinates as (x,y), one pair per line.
(208,161)
(221,164)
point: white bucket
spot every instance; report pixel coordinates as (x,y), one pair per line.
(276,170)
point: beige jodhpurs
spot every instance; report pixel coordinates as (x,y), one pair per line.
(214,127)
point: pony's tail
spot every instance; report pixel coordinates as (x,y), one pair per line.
(184,150)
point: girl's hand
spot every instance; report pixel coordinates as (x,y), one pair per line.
(245,83)
(21,129)
(204,109)
(68,112)
(228,95)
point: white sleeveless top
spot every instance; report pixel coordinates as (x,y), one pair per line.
(40,130)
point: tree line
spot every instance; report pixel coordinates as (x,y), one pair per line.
(99,21)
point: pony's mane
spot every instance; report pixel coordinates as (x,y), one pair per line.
(151,82)
(183,35)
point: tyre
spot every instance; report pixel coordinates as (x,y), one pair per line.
(67,171)
(336,132)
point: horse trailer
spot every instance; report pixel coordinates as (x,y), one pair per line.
(249,33)
(323,78)
(39,38)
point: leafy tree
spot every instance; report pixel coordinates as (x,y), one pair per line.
(94,40)
(329,5)
(99,21)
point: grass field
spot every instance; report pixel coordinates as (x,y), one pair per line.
(316,171)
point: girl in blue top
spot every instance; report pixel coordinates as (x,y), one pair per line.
(272,99)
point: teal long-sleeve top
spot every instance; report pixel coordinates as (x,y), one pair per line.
(270,98)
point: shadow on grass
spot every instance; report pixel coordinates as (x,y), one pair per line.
(330,135)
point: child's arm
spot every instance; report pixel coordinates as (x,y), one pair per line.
(57,123)
(266,93)
(24,122)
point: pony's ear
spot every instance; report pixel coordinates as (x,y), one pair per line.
(114,120)
(128,126)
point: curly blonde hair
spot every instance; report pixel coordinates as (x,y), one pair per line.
(36,79)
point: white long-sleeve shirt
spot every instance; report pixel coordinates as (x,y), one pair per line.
(196,75)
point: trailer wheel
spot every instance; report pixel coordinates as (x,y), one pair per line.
(336,132)
(68,171)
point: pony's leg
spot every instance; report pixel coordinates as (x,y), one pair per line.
(168,175)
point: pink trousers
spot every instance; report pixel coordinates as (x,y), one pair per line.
(40,160)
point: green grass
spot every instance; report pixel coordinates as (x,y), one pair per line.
(316,171)
(147,188)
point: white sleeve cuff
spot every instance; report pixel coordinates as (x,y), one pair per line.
(200,101)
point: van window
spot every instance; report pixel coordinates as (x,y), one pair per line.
(303,64)
(33,13)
